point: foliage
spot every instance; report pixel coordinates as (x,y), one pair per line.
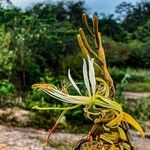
(117,54)
(138,87)
(112,29)
(134,16)
(142,109)
(136,80)
(7,93)
(139,55)
(7,56)
(117,74)
(134,54)
(142,33)
(6,88)
(123,9)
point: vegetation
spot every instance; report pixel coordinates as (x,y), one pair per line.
(137,80)
(38,45)
(41,39)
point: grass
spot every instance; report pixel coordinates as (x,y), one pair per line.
(139,74)
(138,87)
(63,145)
(138,80)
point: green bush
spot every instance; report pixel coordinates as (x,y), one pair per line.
(138,87)
(139,109)
(7,56)
(117,54)
(138,81)
(134,53)
(117,74)
(139,55)
(7,93)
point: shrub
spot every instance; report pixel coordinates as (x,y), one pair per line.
(7,93)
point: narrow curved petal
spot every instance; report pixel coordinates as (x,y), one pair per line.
(85,76)
(68,98)
(73,83)
(92,75)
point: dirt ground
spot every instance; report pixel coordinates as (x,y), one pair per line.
(12,138)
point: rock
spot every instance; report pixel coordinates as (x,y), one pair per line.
(18,115)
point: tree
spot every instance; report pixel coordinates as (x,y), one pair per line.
(7,56)
(6,2)
(110,28)
(142,33)
(135,16)
(123,9)
(75,9)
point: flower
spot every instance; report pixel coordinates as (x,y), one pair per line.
(95,95)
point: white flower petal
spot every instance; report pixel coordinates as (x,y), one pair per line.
(92,75)
(85,76)
(83,100)
(73,83)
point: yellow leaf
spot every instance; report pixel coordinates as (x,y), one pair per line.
(115,121)
(131,121)
(122,134)
(112,147)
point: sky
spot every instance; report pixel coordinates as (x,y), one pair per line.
(100,6)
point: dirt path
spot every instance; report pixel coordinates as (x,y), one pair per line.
(12,138)
(136,95)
